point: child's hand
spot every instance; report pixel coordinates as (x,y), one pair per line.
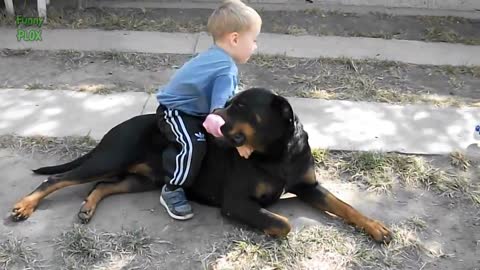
(245,151)
(213,123)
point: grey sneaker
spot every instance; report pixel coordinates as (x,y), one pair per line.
(176,204)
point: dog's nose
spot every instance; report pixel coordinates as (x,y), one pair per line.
(225,128)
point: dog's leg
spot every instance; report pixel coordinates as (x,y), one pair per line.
(92,169)
(104,189)
(320,198)
(24,208)
(250,213)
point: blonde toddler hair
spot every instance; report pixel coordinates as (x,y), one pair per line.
(231,16)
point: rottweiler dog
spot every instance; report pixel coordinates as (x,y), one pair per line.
(242,188)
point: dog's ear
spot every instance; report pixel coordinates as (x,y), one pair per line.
(282,105)
(228,102)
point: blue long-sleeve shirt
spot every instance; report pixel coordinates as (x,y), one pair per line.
(202,84)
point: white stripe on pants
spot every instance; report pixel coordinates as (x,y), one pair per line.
(182,137)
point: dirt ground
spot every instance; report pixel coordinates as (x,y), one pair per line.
(446,236)
(310,21)
(315,78)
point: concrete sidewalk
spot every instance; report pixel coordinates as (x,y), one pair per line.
(336,125)
(415,52)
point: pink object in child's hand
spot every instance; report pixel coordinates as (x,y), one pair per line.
(213,123)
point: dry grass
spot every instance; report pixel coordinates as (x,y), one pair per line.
(275,61)
(62,147)
(15,253)
(320,247)
(455,82)
(380,171)
(296,30)
(73,59)
(109,19)
(381,34)
(321,156)
(417,223)
(11,52)
(37,86)
(459,160)
(437,31)
(462,70)
(348,79)
(369,168)
(407,245)
(101,89)
(112,21)
(81,247)
(140,61)
(333,79)
(439,34)
(320,12)
(278,62)
(362,87)
(85,248)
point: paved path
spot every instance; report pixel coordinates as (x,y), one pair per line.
(415,52)
(339,125)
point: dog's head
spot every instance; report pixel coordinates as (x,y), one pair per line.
(256,117)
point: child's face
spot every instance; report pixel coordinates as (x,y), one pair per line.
(246,44)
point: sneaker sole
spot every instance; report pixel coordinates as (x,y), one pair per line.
(189,216)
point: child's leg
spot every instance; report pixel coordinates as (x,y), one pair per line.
(181,159)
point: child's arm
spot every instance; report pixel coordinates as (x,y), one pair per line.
(223,88)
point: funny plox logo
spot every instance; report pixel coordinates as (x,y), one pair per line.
(32,32)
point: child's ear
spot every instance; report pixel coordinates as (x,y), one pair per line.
(234,38)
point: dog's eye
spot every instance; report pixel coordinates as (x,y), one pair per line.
(238,106)
(238,138)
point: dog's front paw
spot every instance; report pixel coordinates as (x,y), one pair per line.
(378,231)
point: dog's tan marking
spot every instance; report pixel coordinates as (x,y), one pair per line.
(309,177)
(263,188)
(141,169)
(101,191)
(351,216)
(27,205)
(280,230)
